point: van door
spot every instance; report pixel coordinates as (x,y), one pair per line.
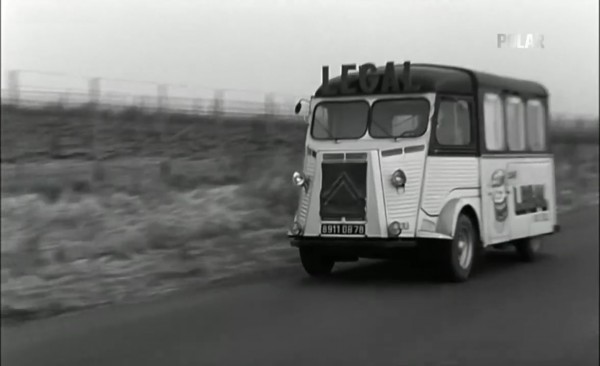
(495,203)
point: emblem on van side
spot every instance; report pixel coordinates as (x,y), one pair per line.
(499,196)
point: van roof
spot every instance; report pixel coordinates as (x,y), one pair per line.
(427,78)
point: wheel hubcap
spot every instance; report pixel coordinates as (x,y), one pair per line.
(465,249)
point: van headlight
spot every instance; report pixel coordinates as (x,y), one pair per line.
(296,229)
(394,229)
(398,178)
(300,180)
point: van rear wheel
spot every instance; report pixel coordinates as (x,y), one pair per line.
(315,263)
(528,249)
(458,255)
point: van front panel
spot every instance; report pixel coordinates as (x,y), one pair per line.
(346,191)
(350,181)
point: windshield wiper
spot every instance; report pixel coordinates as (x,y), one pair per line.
(374,123)
(409,133)
(329,134)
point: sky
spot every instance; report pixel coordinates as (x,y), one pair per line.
(280,46)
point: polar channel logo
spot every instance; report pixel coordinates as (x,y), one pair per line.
(520,40)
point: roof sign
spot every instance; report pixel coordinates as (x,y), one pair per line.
(370,81)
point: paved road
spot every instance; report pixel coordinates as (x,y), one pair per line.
(373,313)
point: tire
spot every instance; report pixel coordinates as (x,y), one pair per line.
(528,249)
(459,255)
(314,263)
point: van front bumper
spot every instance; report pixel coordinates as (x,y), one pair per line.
(355,247)
(319,241)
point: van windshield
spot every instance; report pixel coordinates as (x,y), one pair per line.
(389,119)
(399,118)
(340,120)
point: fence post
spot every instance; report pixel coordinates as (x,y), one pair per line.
(13,84)
(12,77)
(270,104)
(218,112)
(165,166)
(94,89)
(94,97)
(64,99)
(162,91)
(218,99)
(141,121)
(198,106)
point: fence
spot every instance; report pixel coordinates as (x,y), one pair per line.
(117,94)
(66,138)
(97,118)
(101,134)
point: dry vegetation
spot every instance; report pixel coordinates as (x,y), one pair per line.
(79,232)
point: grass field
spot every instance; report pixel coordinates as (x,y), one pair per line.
(162,205)
(68,242)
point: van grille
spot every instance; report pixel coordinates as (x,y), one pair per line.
(343,191)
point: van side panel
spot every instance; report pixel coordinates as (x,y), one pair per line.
(523,203)
(446,178)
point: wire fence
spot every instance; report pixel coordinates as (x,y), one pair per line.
(139,135)
(134,133)
(34,89)
(116,101)
(50,116)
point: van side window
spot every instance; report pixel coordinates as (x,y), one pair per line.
(493,116)
(453,123)
(515,124)
(536,126)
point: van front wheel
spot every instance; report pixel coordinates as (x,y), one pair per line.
(459,254)
(315,263)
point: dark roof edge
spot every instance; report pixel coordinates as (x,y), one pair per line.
(473,74)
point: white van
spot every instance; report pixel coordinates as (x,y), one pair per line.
(423,156)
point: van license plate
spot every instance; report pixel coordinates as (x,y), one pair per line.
(343,229)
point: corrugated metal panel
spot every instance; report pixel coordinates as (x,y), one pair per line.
(444,174)
(401,205)
(309,170)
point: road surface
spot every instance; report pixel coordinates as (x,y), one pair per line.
(370,313)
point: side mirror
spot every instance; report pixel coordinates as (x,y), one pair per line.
(298,108)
